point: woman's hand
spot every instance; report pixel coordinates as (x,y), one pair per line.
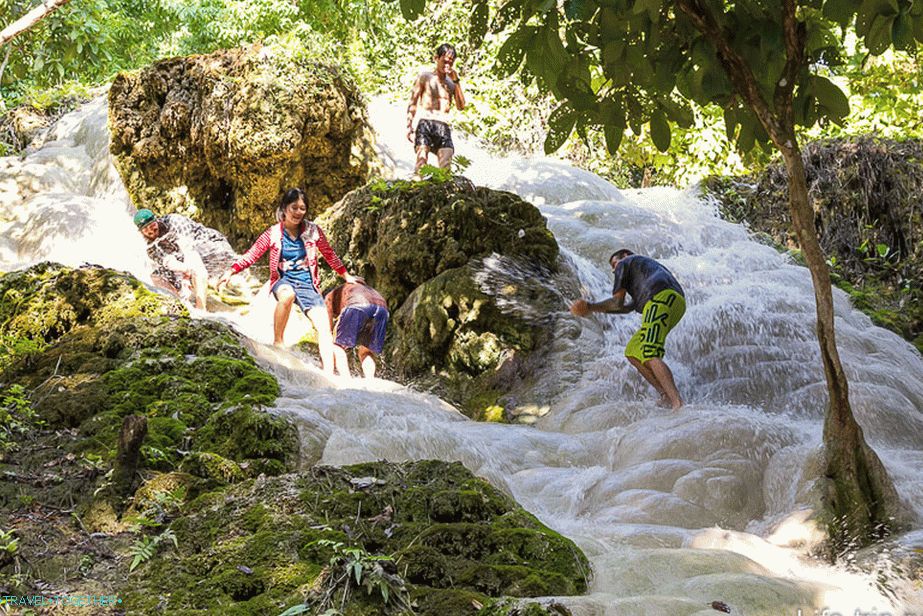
(225,277)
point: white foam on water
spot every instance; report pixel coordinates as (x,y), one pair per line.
(674,510)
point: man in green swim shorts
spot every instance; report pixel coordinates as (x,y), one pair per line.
(657,295)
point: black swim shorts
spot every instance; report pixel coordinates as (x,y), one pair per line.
(433,134)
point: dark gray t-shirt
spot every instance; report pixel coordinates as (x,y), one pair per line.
(643,278)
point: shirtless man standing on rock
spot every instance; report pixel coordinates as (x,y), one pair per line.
(428,112)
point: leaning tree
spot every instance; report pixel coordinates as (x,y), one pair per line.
(641,64)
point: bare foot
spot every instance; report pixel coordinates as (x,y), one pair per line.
(278,344)
(664,402)
(677,405)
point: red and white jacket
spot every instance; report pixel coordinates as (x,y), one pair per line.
(271,240)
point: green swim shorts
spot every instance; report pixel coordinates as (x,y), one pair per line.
(661,314)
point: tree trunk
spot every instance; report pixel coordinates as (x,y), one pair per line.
(859,496)
(128,454)
(28,20)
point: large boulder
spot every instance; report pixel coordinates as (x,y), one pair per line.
(427,533)
(220,136)
(467,274)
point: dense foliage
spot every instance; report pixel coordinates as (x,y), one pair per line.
(85,44)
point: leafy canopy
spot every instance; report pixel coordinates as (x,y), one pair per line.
(617,64)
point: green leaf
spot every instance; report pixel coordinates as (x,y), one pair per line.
(830,96)
(613,136)
(660,131)
(507,14)
(902,33)
(411,9)
(879,36)
(511,53)
(295,610)
(560,126)
(679,113)
(651,7)
(730,123)
(840,11)
(477,26)
(882,250)
(613,52)
(579,10)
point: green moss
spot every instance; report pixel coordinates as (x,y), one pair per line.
(243,433)
(213,466)
(283,531)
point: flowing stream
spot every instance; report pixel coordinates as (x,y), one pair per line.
(674,510)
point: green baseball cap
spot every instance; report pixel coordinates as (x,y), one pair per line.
(143,217)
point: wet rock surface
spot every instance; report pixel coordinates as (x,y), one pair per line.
(467,272)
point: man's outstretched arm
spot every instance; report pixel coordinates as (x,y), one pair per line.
(613,305)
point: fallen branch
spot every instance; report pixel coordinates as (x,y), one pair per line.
(28,20)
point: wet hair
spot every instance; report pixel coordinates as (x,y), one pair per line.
(289,197)
(621,253)
(444,49)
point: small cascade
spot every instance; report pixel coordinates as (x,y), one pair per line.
(675,510)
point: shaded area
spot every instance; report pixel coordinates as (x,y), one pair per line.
(868,216)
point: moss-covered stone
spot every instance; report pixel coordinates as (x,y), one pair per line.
(219,136)
(399,235)
(455,539)
(197,386)
(866,202)
(46,301)
(466,271)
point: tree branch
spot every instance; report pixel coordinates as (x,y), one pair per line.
(46,8)
(794,53)
(735,66)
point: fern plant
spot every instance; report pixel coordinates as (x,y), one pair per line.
(145,548)
(352,568)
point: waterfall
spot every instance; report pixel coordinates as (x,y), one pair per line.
(674,510)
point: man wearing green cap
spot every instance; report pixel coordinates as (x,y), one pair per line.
(182,250)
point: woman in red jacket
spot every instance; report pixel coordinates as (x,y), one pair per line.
(293,245)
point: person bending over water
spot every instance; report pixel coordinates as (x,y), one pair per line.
(361,317)
(293,245)
(183,250)
(428,113)
(657,295)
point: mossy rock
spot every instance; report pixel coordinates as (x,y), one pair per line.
(467,274)
(46,301)
(105,354)
(867,216)
(398,235)
(218,137)
(264,544)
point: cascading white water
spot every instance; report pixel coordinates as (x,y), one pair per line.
(674,510)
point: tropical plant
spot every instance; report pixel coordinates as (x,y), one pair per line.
(351,568)
(144,548)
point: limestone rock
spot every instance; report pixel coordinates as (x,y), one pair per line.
(219,136)
(272,543)
(467,274)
